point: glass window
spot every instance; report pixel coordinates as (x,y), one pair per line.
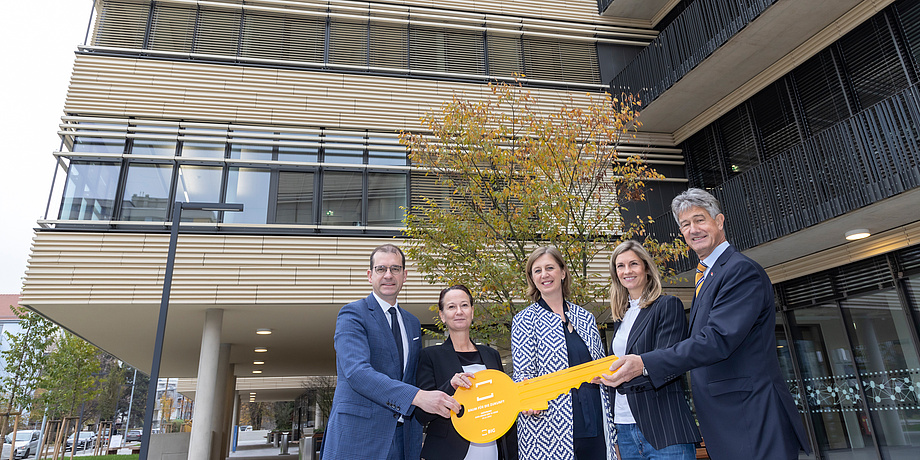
(153,147)
(295,198)
(251,152)
(199,183)
(831,383)
(297,153)
(342,193)
(386,199)
(203,150)
(885,355)
(343,155)
(98,145)
(383,151)
(90,191)
(146,192)
(299,147)
(249,186)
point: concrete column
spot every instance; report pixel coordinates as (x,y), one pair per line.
(205,397)
(220,402)
(235,420)
(227,422)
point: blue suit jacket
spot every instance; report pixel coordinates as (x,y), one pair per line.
(369,396)
(661,412)
(743,405)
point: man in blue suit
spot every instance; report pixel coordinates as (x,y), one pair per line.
(377,345)
(744,407)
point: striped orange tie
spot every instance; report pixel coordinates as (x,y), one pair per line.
(700,269)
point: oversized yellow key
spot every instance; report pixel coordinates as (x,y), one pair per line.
(491,405)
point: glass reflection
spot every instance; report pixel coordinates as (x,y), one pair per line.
(341,198)
(202,150)
(295,198)
(157,147)
(340,155)
(831,384)
(386,198)
(249,186)
(146,195)
(198,183)
(885,355)
(89,193)
(251,152)
(98,145)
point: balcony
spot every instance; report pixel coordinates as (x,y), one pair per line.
(716,46)
(865,169)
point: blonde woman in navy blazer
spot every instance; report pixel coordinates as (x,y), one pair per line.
(652,422)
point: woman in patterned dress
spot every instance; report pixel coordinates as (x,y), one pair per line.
(550,335)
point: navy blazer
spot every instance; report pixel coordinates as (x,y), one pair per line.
(742,402)
(661,412)
(437,365)
(369,396)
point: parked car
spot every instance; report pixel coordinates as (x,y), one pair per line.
(133,435)
(87,438)
(26,443)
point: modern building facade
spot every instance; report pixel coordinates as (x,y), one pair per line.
(800,115)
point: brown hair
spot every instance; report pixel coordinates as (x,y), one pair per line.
(532,290)
(388,249)
(619,296)
(453,288)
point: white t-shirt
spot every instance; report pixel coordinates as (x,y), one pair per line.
(621,412)
(486,451)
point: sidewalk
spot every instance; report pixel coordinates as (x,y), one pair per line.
(261,450)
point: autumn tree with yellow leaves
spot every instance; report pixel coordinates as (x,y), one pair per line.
(516,177)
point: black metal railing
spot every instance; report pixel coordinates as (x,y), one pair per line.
(694,35)
(868,157)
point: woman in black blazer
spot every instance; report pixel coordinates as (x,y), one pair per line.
(651,422)
(449,365)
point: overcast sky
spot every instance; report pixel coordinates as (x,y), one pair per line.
(39,37)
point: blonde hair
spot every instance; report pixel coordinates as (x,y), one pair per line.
(619,296)
(532,290)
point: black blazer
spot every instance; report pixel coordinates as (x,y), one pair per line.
(662,414)
(437,365)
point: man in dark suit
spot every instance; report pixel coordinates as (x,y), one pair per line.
(744,407)
(377,346)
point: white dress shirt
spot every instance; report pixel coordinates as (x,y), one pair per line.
(402,327)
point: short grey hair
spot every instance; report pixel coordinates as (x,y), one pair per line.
(695,197)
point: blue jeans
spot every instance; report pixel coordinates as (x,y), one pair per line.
(634,446)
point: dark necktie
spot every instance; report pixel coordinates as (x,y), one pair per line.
(397,336)
(700,269)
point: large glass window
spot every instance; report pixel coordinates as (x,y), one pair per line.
(249,186)
(342,198)
(160,147)
(203,149)
(831,384)
(146,195)
(885,356)
(199,183)
(295,198)
(386,199)
(98,145)
(90,191)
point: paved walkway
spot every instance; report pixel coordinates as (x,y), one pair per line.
(260,450)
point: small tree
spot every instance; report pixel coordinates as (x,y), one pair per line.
(23,362)
(520,177)
(69,377)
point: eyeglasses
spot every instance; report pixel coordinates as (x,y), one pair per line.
(394,269)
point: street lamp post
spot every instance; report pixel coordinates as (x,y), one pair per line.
(164,309)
